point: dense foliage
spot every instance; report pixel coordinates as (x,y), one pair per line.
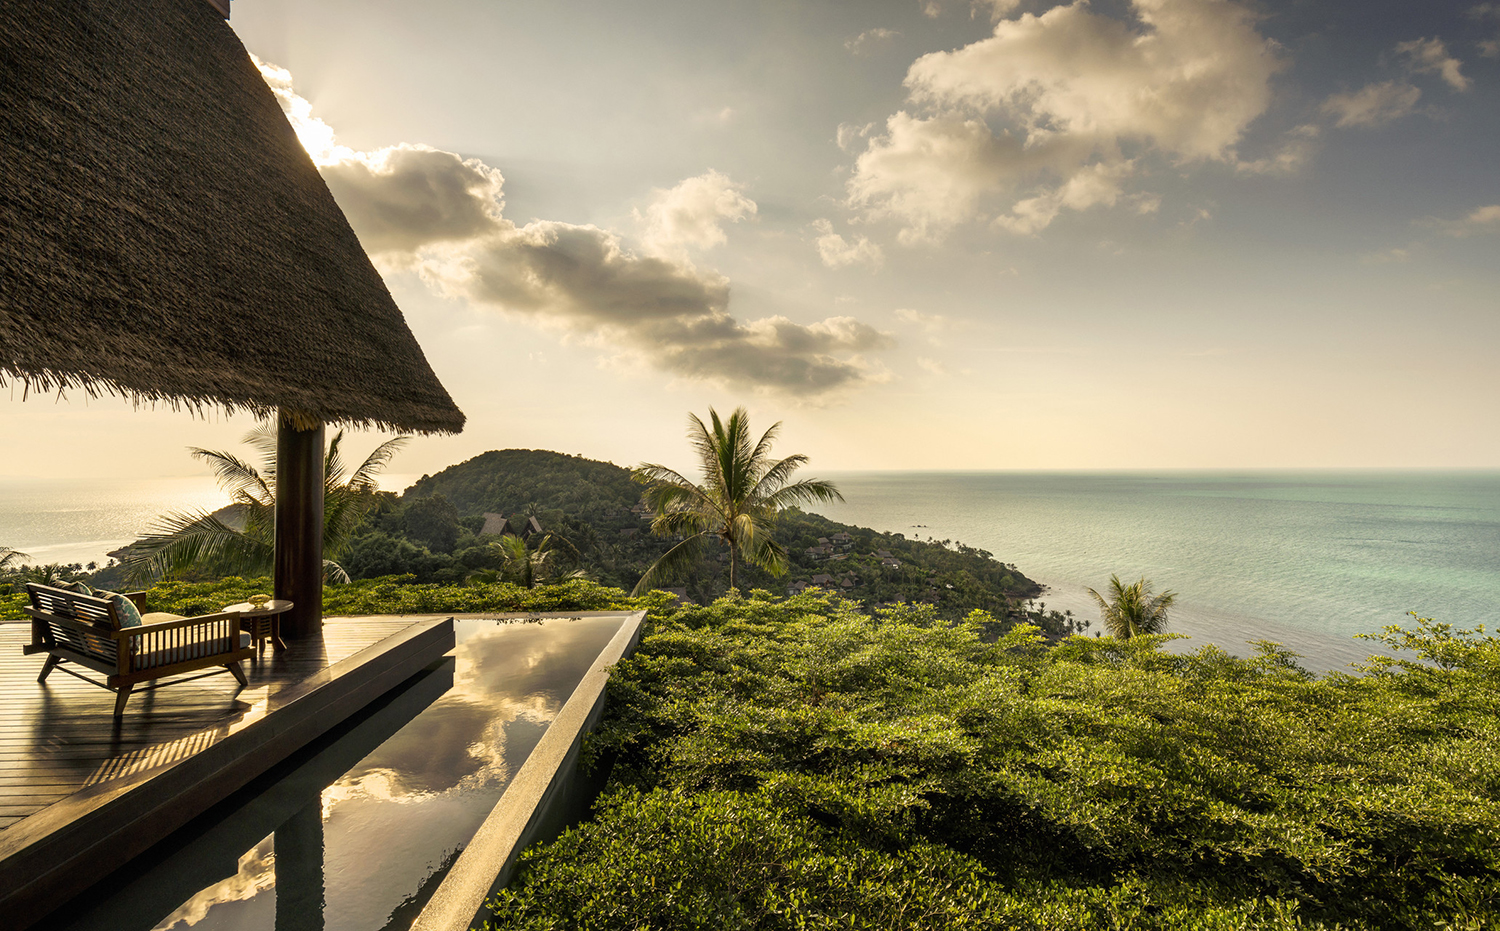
(390,595)
(798,764)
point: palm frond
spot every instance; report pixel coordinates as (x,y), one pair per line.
(379,458)
(807,491)
(771,556)
(763,448)
(333,463)
(185,540)
(244,483)
(683,554)
(263,438)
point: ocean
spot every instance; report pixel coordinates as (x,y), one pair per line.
(81,521)
(1305,559)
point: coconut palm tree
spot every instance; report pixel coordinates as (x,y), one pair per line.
(742,492)
(526,566)
(244,543)
(1133,609)
(10,559)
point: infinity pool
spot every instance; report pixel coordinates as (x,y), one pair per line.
(357,830)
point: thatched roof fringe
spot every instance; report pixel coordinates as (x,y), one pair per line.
(50,383)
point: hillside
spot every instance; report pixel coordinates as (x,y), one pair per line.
(434,532)
(509,481)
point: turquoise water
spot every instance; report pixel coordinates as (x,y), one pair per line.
(1306,559)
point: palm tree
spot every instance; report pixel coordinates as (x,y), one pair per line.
(185,540)
(742,492)
(10,559)
(527,566)
(1133,609)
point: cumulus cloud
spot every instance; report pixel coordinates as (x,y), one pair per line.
(1373,104)
(692,214)
(871,40)
(442,215)
(838,252)
(1054,100)
(1430,56)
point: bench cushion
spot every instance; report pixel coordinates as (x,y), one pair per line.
(125,610)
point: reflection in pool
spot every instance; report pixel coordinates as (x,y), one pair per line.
(357,830)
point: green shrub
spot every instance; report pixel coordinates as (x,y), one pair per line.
(797,764)
(390,595)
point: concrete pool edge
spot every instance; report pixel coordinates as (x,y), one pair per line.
(532,804)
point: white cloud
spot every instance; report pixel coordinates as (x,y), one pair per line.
(932,323)
(1391,256)
(435,212)
(1480,221)
(692,214)
(1430,56)
(871,40)
(1092,186)
(838,252)
(931,174)
(1373,104)
(999,9)
(1068,91)
(1488,48)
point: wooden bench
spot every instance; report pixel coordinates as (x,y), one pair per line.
(83,629)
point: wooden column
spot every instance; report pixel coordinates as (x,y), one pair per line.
(299,527)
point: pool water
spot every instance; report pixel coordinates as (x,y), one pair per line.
(356,830)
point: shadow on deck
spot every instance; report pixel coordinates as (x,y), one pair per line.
(81,794)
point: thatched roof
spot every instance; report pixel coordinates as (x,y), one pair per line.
(164,237)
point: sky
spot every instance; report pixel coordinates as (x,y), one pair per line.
(924,234)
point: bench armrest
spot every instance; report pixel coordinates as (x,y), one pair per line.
(158,626)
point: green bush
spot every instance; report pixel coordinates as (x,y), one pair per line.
(798,764)
(389,595)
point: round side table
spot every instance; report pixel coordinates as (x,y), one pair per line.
(262,623)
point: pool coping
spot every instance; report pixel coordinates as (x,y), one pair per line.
(531,807)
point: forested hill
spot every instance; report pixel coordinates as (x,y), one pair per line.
(510,481)
(434,531)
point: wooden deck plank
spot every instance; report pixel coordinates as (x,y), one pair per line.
(78,788)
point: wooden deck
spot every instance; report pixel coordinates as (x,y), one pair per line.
(81,794)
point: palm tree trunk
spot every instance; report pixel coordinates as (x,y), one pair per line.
(733,562)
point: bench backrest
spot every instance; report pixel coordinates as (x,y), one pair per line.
(65,603)
(95,611)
